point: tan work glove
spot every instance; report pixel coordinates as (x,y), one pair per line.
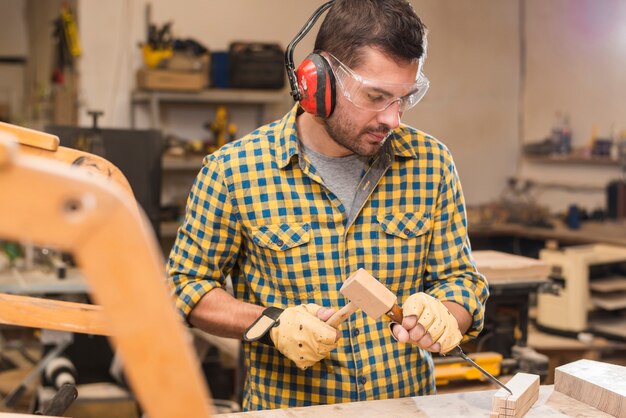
(299,333)
(436,320)
(302,337)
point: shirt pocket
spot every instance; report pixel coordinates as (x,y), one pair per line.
(281,237)
(405,225)
(403,243)
(280,253)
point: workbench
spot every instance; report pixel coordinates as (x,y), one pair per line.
(38,282)
(590,232)
(465,405)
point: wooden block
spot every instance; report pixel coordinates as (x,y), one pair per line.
(520,410)
(525,388)
(595,383)
(52,314)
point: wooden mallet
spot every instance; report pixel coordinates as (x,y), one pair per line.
(365,292)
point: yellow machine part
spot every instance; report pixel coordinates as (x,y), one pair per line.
(153,57)
(449,369)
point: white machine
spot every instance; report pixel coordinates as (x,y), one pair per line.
(593,290)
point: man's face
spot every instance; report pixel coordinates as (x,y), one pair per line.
(363,131)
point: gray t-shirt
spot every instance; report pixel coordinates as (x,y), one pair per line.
(340,174)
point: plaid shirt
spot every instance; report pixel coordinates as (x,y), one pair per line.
(259,212)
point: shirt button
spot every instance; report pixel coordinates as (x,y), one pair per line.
(407,231)
(362,380)
(356,332)
(279,242)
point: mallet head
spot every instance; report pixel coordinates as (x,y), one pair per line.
(363,290)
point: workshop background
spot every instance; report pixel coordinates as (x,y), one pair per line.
(529,95)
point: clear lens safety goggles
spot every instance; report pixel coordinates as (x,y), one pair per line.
(374,95)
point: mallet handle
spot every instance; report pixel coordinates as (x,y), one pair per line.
(395,314)
(341,315)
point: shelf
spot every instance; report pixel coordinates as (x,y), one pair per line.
(154,100)
(213,96)
(573,160)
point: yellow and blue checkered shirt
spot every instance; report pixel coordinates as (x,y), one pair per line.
(259,212)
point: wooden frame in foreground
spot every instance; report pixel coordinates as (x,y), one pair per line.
(46,203)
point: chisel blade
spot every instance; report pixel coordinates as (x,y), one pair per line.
(458,352)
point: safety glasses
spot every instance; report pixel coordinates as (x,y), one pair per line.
(374,95)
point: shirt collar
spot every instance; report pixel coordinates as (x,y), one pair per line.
(287,140)
(401,139)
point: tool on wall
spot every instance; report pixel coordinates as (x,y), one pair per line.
(158,45)
(92,142)
(67,44)
(222,131)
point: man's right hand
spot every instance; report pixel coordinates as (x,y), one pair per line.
(302,335)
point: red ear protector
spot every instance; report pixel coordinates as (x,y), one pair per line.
(313,83)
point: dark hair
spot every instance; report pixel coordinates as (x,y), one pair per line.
(391,26)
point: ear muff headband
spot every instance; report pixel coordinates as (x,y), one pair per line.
(313,84)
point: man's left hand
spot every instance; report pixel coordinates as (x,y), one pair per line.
(428,324)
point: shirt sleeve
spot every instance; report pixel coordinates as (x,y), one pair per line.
(207,242)
(451,273)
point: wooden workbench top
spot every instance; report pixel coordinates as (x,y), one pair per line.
(452,405)
(590,232)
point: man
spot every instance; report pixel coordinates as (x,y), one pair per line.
(292,209)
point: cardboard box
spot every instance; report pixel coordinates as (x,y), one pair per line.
(172,80)
(181,61)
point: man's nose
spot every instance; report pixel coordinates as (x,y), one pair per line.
(390,116)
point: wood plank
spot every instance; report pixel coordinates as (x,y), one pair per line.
(613,326)
(465,404)
(498,266)
(595,383)
(52,314)
(608,284)
(32,138)
(612,302)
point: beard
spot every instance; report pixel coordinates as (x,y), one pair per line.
(345,133)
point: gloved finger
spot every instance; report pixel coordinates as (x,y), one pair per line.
(324,349)
(322,332)
(399,333)
(426,318)
(414,305)
(436,329)
(449,340)
(311,308)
